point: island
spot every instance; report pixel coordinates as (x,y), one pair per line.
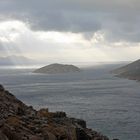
(21,122)
(57,68)
(130,71)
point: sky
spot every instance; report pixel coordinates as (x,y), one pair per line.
(70,30)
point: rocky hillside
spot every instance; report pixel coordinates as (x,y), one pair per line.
(57,68)
(130,71)
(21,122)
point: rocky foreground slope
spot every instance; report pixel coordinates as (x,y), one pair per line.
(21,122)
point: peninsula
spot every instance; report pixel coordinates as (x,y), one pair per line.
(130,71)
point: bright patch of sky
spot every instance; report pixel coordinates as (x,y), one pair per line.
(17,38)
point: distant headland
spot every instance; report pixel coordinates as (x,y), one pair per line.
(130,71)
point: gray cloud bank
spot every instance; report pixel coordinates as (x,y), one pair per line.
(118,19)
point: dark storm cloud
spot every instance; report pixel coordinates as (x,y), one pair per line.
(119,19)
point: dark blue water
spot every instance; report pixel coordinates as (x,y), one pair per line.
(109,104)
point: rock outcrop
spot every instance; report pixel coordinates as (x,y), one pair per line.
(21,122)
(57,68)
(130,71)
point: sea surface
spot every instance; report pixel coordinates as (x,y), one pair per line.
(109,104)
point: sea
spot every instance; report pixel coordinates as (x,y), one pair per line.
(109,104)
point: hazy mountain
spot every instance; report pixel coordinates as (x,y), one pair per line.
(130,71)
(15,60)
(57,68)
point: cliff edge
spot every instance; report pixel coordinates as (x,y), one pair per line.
(21,122)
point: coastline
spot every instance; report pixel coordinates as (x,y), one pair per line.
(19,121)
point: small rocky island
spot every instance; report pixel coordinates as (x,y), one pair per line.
(57,68)
(21,122)
(130,71)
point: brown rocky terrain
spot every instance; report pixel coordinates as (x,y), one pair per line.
(21,122)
